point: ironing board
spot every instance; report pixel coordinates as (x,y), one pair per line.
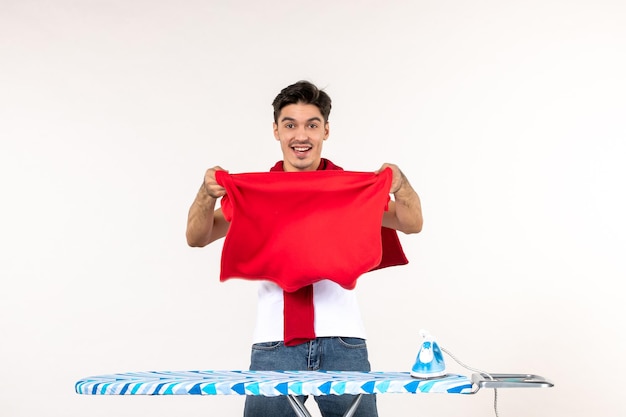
(271,384)
(293,384)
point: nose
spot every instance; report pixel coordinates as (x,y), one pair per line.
(301,133)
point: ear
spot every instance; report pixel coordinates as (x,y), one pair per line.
(326,130)
(275,129)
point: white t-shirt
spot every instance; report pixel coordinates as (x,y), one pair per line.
(337,312)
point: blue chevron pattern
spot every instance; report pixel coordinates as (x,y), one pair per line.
(269,383)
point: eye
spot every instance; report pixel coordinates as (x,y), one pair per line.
(289,125)
(313,126)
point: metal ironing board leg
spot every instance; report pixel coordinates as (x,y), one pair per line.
(298,407)
(302,411)
(355,403)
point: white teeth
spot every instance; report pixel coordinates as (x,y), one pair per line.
(301,149)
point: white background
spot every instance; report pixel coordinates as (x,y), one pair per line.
(507,117)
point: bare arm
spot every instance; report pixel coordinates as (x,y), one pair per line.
(405,211)
(204,223)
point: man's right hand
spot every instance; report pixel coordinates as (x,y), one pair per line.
(210,185)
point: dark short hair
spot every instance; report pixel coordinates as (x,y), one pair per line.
(302,92)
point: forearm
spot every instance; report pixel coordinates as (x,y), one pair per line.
(200,219)
(408,208)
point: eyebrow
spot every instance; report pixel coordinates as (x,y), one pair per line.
(291,119)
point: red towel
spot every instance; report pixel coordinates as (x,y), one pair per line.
(297,228)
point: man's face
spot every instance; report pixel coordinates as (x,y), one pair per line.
(301,131)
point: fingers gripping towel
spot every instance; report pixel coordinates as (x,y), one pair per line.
(297,228)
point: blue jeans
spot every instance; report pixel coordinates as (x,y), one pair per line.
(323,353)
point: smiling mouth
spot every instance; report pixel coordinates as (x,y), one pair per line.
(301,148)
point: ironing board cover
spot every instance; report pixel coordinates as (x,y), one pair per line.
(268,383)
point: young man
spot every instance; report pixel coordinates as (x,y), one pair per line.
(301,127)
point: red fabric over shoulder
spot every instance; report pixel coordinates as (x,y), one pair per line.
(296,228)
